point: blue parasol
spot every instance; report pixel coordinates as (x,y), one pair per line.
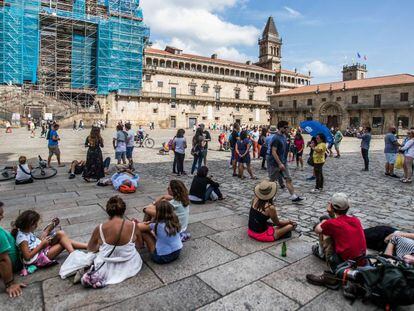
(314,128)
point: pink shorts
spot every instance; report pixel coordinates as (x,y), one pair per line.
(267,236)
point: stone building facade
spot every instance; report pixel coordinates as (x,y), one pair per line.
(180,90)
(379,102)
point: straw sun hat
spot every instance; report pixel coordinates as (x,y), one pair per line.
(266,190)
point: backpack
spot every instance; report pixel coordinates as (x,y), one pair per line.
(127,189)
(386,281)
(375,237)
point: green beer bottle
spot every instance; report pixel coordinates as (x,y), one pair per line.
(284,250)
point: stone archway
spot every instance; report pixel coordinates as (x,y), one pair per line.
(331,114)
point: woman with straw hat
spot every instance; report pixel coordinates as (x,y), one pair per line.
(262,210)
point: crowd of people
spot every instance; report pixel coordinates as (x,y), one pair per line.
(115,245)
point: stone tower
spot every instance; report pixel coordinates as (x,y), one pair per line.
(270,47)
(354,72)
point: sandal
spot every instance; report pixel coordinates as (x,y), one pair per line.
(407,181)
(52,225)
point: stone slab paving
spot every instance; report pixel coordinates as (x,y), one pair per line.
(220,268)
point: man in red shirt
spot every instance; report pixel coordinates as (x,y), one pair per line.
(340,238)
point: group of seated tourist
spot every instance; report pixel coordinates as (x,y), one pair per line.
(115,244)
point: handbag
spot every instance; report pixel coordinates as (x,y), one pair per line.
(92,278)
(399,163)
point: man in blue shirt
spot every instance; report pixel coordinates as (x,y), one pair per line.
(365,144)
(391,150)
(53,145)
(277,160)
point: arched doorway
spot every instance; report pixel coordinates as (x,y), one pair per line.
(331,115)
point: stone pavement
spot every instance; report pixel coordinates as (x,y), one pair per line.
(220,268)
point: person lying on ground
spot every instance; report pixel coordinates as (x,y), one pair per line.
(401,244)
(263,209)
(203,188)
(126,179)
(335,245)
(40,252)
(9,261)
(76,168)
(23,172)
(116,242)
(162,236)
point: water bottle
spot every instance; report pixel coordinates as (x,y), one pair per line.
(284,250)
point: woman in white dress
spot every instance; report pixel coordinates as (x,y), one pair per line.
(116,241)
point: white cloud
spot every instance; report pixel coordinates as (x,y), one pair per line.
(195,27)
(292,13)
(232,54)
(320,69)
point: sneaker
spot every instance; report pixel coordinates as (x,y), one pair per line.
(298,199)
(387,174)
(71,176)
(316,252)
(311,178)
(364,170)
(316,190)
(395,176)
(327,279)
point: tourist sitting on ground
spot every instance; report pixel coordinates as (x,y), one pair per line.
(165,150)
(76,168)
(204,188)
(40,252)
(23,172)
(9,261)
(335,245)
(162,236)
(262,210)
(116,242)
(401,244)
(125,182)
(177,195)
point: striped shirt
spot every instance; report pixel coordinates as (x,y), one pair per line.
(403,246)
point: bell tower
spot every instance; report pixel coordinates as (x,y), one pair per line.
(270,47)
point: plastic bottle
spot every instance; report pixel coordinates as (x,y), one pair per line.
(284,250)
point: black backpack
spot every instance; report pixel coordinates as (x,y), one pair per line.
(385,281)
(375,237)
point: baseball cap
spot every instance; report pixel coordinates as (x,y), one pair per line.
(340,201)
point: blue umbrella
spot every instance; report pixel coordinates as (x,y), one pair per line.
(314,128)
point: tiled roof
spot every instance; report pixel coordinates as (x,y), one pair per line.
(219,61)
(270,28)
(352,84)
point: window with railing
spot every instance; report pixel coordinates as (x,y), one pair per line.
(173,92)
(377,100)
(205,88)
(237,94)
(218,94)
(251,95)
(192,90)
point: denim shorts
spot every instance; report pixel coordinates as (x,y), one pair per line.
(120,155)
(391,157)
(163,259)
(129,151)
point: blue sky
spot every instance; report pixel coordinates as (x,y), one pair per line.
(320,35)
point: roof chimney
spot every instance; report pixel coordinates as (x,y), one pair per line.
(249,62)
(214,56)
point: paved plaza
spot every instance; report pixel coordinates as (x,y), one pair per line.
(220,267)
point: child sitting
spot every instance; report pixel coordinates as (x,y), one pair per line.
(23,172)
(164,150)
(164,243)
(36,252)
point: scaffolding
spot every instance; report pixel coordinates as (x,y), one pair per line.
(73,50)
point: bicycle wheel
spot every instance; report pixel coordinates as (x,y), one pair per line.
(7,174)
(43,173)
(149,143)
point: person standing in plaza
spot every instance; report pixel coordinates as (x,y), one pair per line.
(119,143)
(337,141)
(233,138)
(74,127)
(408,150)
(53,145)
(300,146)
(391,150)
(263,146)
(207,138)
(255,135)
(130,143)
(94,167)
(365,144)
(277,160)
(179,146)
(243,155)
(319,151)
(198,149)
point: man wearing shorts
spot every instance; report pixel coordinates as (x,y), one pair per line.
(337,141)
(119,143)
(277,160)
(130,145)
(391,150)
(234,137)
(53,145)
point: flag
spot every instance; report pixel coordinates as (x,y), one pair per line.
(359,55)
(365,57)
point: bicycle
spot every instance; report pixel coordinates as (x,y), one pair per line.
(146,142)
(7,173)
(43,171)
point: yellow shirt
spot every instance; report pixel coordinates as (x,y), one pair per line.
(319,153)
